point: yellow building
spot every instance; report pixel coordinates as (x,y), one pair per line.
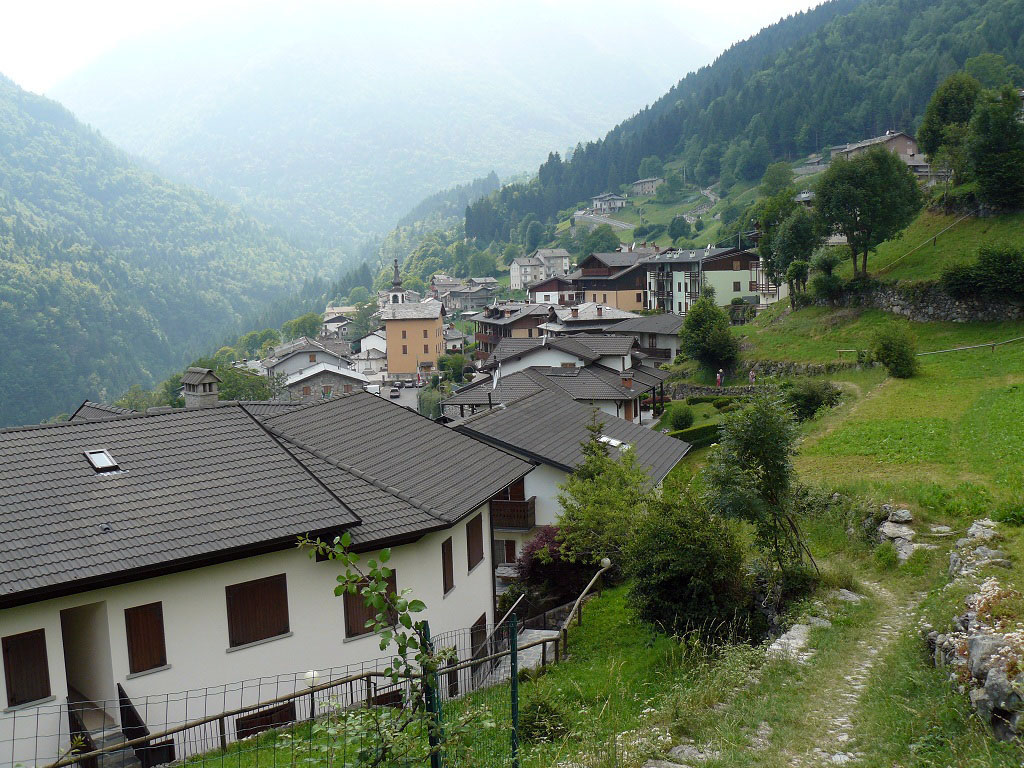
(414,331)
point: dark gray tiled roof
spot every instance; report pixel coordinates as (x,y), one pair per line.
(617,258)
(666,323)
(195,486)
(550,427)
(424,460)
(510,347)
(649,376)
(519,311)
(591,382)
(602,344)
(89,410)
(384,516)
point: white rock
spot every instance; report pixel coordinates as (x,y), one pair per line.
(847,596)
(791,643)
(889,530)
(982,529)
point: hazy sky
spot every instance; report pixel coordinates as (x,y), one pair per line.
(45,41)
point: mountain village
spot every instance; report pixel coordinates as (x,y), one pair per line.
(624,505)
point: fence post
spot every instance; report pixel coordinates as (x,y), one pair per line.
(223,734)
(513,643)
(433,696)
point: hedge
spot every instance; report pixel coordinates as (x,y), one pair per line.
(694,399)
(698,437)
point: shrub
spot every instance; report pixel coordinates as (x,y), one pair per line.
(649,230)
(894,347)
(959,281)
(698,437)
(546,575)
(685,569)
(540,719)
(721,402)
(807,396)
(826,287)
(730,408)
(705,335)
(680,417)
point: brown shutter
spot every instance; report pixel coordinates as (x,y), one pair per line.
(144,626)
(475,540)
(257,610)
(477,640)
(25,668)
(358,611)
(510,551)
(447,565)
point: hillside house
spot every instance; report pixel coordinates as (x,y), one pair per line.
(553,290)
(614,279)
(547,427)
(154,555)
(588,317)
(510,319)
(647,187)
(608,202)
(657,336)
(454,339)
(897,142)
(674,278)
(299,354)
(542,263)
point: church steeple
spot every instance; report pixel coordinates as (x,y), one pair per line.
(397,295)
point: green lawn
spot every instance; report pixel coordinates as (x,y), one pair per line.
(815,334)
(959,244)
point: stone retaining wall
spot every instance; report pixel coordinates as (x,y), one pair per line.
(926,302)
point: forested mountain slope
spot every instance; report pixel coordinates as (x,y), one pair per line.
(844,71)
(109,275)
(331,121)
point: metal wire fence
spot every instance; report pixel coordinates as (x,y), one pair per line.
(341,716)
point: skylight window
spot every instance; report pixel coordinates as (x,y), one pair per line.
(102,461)
(614,443)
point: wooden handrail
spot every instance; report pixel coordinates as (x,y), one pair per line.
(576,605)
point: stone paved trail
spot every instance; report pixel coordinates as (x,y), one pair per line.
(830,731)
(833,739)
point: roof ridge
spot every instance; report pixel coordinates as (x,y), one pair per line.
(397,493)
(118,417)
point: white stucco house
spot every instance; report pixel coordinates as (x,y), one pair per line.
(548,427)
(153,556)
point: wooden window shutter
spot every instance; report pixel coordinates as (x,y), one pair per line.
(510,551)
(26,670)
(475,540)
(358,611)
(144,626)
(257,610)
(447,565)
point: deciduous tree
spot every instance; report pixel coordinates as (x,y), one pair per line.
(869,199)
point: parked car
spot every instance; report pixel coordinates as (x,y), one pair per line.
(394,394)
(399,384)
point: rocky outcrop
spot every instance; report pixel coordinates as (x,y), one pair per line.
(895,528)
(984,648)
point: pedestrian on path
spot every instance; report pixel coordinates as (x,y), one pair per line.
(752,378)
(718,379)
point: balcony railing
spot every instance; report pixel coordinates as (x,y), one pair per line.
(762,287)
(514,515)
(656,352)
(486,338)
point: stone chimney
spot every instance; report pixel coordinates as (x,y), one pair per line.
(600,311)
(200,387)
(575,311)
(627,379)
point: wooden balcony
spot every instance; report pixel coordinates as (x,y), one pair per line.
(514,515)
(485,338)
